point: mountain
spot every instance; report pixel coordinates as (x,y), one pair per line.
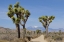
(7,30)
(35,28)
(43,29)
(30,28)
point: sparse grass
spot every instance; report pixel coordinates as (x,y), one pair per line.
(17,40)
(52,37)
(13,38)
(4,41)
(55,37)
(35,36)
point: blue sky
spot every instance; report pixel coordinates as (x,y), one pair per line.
(37,8)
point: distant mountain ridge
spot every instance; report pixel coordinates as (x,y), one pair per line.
(30,28)
(43,29)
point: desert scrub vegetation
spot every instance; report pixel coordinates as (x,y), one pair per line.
(54,37)
(38,31)
(13,36)
(57,37)
(19,16)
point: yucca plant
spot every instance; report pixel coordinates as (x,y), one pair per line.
(46,20)
(18,15)
(12,11)
(25,15)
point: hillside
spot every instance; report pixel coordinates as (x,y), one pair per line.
(7,30)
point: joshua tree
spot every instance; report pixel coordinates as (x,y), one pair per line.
(24,19)
(46,20)
(60,32)
(16,19)
(18,13)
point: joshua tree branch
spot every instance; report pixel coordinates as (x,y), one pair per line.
(21,24)
(26,20)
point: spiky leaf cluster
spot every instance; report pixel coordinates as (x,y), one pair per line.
(25,16)
(20,12)
(51,18)
(46,19)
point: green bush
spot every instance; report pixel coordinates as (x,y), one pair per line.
(57,37)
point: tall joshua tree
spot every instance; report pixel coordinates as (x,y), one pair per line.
(24,19)
(46,20)
(17,13)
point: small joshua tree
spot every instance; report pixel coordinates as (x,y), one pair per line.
(59,32)
(46,20)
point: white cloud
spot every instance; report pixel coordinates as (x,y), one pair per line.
(35,26)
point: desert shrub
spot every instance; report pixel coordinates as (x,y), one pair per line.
(28,32)
(46,36)
(28,38)
(57,37)
(17,40)
(38,31)
(35,36)
(4,41)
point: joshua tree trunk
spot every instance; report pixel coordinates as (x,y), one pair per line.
(24,32)
(46,30)
(47,24)
(18,30)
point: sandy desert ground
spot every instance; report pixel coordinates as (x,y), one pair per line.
(39,39)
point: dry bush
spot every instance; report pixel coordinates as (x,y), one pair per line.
(35,36)
(4,41)
(17,40)
(12,37)
(28,38)
(54,37)
(58,38)
(8,36)
(48,36)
